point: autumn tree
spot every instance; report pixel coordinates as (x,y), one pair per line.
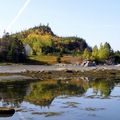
(104,52)
(95,52)
(86,54)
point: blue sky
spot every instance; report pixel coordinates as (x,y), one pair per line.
(94,20)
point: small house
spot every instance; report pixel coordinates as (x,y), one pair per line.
(28,50)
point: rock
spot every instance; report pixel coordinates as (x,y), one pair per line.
(6,111)
(118,65)
(88,63)
(69,71)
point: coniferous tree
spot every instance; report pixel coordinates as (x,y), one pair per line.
(11,49)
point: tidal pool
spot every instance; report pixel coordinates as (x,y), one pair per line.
(75,99)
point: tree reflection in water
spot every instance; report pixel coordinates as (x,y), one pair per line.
(42,93)
(102,86)
(12,94)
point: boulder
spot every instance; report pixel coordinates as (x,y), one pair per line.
(88,63)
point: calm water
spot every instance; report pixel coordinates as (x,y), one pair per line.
(76,99)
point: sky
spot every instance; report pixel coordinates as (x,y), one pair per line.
(97,21)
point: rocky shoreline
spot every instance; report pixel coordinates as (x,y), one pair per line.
(58,67)
(58,71)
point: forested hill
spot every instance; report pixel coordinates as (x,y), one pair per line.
(39,30)
(42,40)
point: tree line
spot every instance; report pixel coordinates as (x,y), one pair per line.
(103,54)
(42,40)
(11,49)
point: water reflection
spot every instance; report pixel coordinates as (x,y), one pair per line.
(12,94)
(42,93)
(102,87)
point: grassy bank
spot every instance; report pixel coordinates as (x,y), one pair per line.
(48,59)
(52,59)
(44,59)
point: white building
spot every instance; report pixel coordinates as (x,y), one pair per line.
(28,50)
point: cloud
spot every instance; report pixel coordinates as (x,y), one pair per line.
(18,15)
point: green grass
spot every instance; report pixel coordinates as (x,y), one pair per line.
(45,59)
(49,59)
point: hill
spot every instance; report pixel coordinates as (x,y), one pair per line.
(40,45)
(42,40)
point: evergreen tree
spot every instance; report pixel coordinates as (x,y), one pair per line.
(11,49)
